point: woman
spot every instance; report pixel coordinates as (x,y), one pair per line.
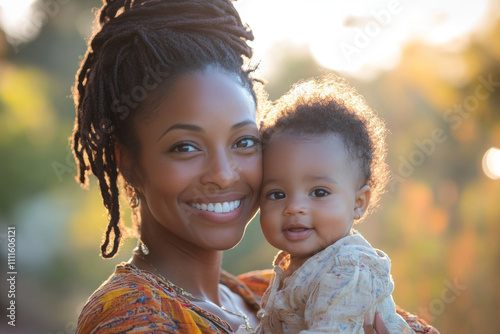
(164,104)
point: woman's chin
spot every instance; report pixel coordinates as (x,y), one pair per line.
(224,240)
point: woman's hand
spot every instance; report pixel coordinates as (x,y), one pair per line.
(378,326)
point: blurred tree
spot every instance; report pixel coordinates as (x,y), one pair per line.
(439,221)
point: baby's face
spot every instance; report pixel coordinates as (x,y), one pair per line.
(310,193)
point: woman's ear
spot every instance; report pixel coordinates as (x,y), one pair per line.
(362,201)
(125,163)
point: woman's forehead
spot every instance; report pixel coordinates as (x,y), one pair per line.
(204,99)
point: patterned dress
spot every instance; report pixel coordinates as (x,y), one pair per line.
(135,301)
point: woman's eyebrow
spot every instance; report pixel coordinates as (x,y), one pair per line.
(189,127)
(243,124)
(196,128)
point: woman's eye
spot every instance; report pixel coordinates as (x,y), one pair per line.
(276,195)
(320,193)
(246,142)
(183,148)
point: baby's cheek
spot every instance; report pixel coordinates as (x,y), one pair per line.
(267,222)
(264,217)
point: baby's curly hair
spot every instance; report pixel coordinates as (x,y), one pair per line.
(329,105)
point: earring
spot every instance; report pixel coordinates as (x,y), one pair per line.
(134,200)
(143,247)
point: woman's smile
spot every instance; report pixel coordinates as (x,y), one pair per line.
(219,212)
(220,209)
(223,207)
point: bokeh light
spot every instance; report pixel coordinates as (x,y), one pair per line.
(361,38)
(491,163)
(18,19)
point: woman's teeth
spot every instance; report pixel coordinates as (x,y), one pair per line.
(218,207)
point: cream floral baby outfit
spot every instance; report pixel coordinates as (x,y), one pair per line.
(331,291)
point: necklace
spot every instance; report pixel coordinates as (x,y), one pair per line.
(139,251)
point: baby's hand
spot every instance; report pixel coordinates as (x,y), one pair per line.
(376,326)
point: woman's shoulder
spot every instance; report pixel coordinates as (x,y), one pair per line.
(126,284)
(257,281)
(130,300)
(125,276)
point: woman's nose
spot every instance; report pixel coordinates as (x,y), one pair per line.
(295,206)
(221,171)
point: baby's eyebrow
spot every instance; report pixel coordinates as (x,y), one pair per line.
(267,181)
(323,178)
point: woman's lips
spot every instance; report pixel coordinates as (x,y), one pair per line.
(218,207)
(297,233)
(219,212)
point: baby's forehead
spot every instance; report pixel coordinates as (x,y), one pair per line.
(307,138)
(299,143)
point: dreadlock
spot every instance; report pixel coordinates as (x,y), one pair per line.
(135,40)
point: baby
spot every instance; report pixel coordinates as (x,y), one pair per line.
(323,155)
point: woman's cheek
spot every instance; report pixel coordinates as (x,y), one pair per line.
(256,170)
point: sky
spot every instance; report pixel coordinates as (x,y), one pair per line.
(360,38)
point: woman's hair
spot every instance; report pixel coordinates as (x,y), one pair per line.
(329,105)
(139,48)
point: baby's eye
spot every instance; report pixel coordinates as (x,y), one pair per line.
(276,195)
(320,193)
(183,148)
(246,142)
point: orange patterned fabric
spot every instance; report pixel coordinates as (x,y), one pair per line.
(134,301)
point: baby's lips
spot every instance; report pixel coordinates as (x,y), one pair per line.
(297,233)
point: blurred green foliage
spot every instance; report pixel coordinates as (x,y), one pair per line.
(439,221)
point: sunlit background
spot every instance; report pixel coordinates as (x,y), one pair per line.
(431,70)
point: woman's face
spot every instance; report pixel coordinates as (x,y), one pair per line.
(199,168)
